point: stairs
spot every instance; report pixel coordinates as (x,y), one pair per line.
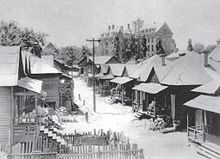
(209,151)
(138,115)
(53,134)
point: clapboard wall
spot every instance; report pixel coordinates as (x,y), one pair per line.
(5,104)
(50,85)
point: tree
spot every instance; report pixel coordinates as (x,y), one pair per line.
(70,55)
(86,51)
(210,48)
(198,47)
(12,35)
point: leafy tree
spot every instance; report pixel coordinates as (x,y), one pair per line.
(86,51)
(198,47)
(70,54)
(12,35)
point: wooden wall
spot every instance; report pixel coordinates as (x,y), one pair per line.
(51,86)
(5,105)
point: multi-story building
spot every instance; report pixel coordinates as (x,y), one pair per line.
(117,40)
(108,44)
(153,34)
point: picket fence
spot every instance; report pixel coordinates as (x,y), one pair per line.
(89,145)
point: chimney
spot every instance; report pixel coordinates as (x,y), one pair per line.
(218,42)
(113,26)
(129,26)
(163,59)
(109,27)
(206,58)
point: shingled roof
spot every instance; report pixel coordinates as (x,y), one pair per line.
(188,70)
(101,59)
(9,65)
(117,69)
(38,66)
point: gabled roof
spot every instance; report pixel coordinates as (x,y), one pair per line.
(215,54)
(144,68)
(9,65)
(177,55)
(38,66)
(104,68)
(130,68)
(101,59)
(188,70)
(158,27)
(117,69)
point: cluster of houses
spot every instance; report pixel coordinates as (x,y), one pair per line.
(184,85)
(28,82)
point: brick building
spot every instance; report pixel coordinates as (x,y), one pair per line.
(155,32)
(111,36)
(151,34)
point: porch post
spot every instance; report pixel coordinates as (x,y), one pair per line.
(138,99)
(173,107)
(122,87)
(203,125)
(155,110)
(11,132)
(146,99)
(187,123)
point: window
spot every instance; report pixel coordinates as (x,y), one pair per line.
(152,40)
(152,47)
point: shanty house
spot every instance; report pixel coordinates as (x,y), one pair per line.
(187,73)
(50,76)
(18,98)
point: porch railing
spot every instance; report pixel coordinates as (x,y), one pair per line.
(198,132)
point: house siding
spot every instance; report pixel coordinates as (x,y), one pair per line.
(5,114)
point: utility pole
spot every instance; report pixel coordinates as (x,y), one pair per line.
(93,70)
(138,25)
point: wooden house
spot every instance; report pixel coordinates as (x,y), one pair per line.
(187,73)
(203,113)
(86,65)
(18,98)
(203,116)
(65,80)
(50,76)
(122,83)
(149,96)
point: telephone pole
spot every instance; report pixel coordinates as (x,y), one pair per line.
(93,70)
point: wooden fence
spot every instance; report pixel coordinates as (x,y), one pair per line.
(119,151)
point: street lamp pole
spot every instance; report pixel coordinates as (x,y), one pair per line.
(93,71)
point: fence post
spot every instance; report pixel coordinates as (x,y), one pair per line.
(87,116)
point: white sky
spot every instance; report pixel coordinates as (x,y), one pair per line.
(71,22)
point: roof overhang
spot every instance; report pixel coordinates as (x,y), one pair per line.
(151,88)
(121,80)
(30,84)
(205,102)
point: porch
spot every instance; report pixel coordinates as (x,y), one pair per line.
(150,99)
(122,91)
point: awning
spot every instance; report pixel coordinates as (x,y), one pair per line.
(205,102)
(121,80)
(211,87)
(152,88)
(107,77)
(30,84)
